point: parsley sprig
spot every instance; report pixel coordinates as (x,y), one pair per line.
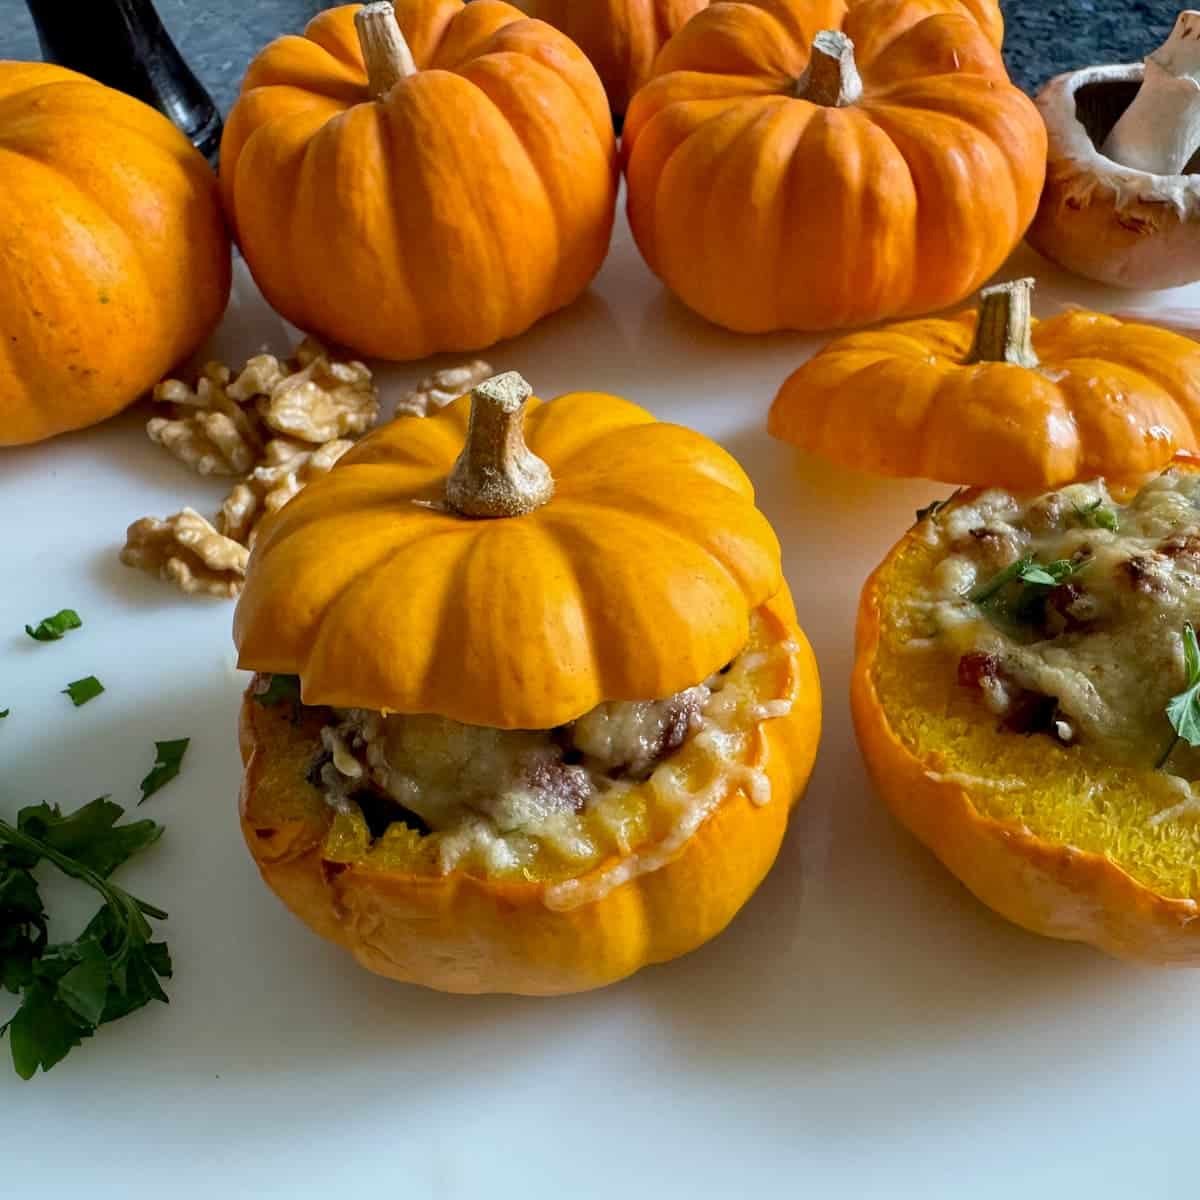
(1097,515)
(1036,580)
(1183,710)
(112,968)
(168,759)
(53,629)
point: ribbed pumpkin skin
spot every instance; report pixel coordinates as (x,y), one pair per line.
(1111,398)
(472,200)
(621,37)
(461,933)
(635,580)
(762,211)
(114,258)
(1050,888)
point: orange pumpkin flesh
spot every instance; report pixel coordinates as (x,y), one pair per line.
(462,932)
(898,193)
(114,259)
(931,753)
(449,566)
(1018,403)
(447,211)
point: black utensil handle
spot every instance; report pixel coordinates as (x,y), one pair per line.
(122,43)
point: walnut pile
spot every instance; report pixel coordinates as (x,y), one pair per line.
(187,551)
(275,427)
(443,387)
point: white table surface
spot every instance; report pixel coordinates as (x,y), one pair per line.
(864,1028)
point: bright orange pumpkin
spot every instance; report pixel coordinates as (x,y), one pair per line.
(1057,839)
(447,196)
(998,399)
(621,37)
(852,162)
(114,259)
(609,557)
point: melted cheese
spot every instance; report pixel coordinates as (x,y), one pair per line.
(510,802)
(1111,654)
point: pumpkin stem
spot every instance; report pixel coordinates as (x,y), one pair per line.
(1160,131)
(384,49)
(1003,332)
(496,474)
(831,77)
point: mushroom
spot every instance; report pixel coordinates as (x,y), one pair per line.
(1120,203)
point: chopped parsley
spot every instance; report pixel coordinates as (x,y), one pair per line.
(4,713)
(167,762)
(1183,710)
(51,629)
(1097,515)
(83,690)
(69,989)
(1036,581)
(933,508)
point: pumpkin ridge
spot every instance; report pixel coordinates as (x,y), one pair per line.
(333,31)
(272,69)
(135,250)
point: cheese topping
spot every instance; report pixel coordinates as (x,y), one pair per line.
(1064,614)
(556,803)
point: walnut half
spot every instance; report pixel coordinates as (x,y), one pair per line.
(187,551)
(442,388)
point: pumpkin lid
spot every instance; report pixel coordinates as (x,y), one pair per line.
(510,563)
(994,397)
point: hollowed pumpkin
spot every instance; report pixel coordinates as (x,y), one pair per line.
(449,566)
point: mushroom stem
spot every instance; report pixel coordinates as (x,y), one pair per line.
(497,475)
(1003,332)
(831,77)
(384,49)
(1160,131)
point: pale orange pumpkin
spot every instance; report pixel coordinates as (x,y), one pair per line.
(446,566)
(621,37)
(438,180)
(114,258)
(808,164)
(998,397)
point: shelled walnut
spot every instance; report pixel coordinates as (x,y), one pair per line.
(443,387)
(187,551)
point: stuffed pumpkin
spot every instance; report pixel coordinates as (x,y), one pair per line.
(531,705)
(429,177)
(1026,697)
(853,161)
(114,258)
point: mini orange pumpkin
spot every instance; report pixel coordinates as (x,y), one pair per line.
(114,259)
(854,162)
(517,586)
(1054,837)
(441,186)
(998,398)
(621,37)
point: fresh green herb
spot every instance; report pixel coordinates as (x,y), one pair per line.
(1097,515)
(281,688)
(1036,580)
(83,690)
(1183,710)
(4,713)
(68,990)
(50,629)
(168,759)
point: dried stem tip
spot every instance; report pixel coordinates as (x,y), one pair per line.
(1160,131)
(384,49)
(496,474)
(1004,330)
(831,77)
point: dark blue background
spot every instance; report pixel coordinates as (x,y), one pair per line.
(218,37)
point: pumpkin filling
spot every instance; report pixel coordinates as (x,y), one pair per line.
(548,803)
(1064,616)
